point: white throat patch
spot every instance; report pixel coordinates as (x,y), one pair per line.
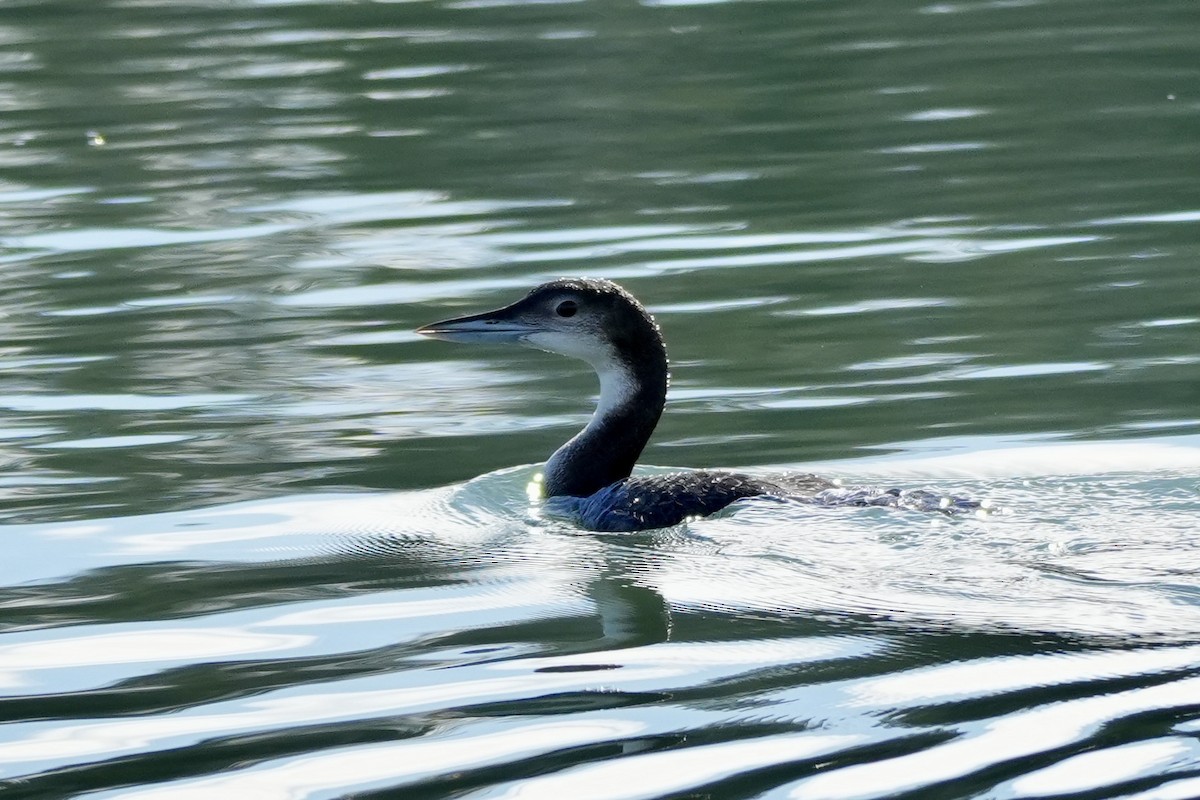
(616,383)
(617,388)
(578,346)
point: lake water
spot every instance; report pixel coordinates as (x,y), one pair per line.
(262,541)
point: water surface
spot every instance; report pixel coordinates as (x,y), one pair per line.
(263,541)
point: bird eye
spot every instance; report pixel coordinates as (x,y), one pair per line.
(566,308)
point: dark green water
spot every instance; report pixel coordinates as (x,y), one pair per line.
(262,541)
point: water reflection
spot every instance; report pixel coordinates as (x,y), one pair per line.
(262,541)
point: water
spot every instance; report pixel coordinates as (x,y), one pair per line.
(262,541)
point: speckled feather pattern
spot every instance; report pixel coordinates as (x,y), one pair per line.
(660,501)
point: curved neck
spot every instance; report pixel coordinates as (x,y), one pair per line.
(633,391)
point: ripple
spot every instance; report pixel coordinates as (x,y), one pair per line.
(109,239)
(256,571)
(1134,219)
(1031,370)
(117,402)
(109,442)
(658,774)
(1107,767)
(392,764)
(943,114)
(979,747)
(414,73)
(945,683)
(869,306)
(936,147)
(135,647)
(349,700)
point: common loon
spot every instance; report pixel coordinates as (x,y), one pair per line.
(603,324)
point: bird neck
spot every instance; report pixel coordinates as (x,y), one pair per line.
(633,391)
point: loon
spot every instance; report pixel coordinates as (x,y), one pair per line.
(591,475)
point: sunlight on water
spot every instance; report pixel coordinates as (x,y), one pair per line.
(804,563)
(658,774)
(1004,738)
(1111,765)
(363,768)
(262,540)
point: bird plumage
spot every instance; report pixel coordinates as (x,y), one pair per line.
(590,475)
